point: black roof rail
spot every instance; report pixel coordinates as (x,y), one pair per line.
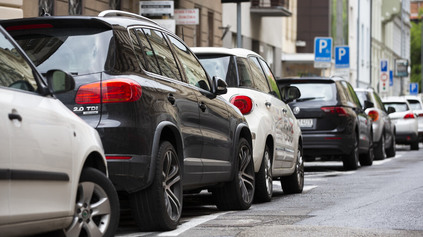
(107,13)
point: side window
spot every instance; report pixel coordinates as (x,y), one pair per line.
(270,79)
(378,103)
(15,72)
(260,82)
(244,73)
(151,64)
(194,71)
(353,96)
(164,56)
(138,47)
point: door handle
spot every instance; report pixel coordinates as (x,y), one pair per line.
(171,99)
(13,116)
(202,106)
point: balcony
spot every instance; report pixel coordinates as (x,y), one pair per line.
(270,8)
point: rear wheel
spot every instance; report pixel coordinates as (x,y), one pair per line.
(159,207)
(350,161)
(367,158)
(264,179)
(295,182)
(238,194)
(391,151)
(415,145)
(380,153)
(96,207)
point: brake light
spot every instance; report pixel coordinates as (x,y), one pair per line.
(374,115)
(421,115)
(340,111)
(112,91)
(409,116)
(243,103)
(29,27)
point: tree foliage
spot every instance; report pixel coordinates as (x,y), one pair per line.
(415,51)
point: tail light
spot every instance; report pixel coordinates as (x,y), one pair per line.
(409,116)
(340,111)
(109,91)
(29,27)
(420,115)
(243,103)
(374,115)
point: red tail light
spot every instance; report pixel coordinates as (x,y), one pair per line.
(374,115)
(409,116)
(340,111)
(29,27)
(112,91)
(421,115)
(243,103)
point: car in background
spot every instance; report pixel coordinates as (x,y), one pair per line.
(405,121)
(332,119)
(417,106)
(276,135)
(383,128)
(164,126)
(53,173)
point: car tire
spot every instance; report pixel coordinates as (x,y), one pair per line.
(264,179)
(238,194)
(367,158)
(415,145)
(295,182)
(380,153)
(96,202)
(159,206)
(391,151)
(350,161)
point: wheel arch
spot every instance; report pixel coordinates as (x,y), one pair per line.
(96,161)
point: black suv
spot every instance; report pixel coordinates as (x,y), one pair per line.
(332,120)
(164,127)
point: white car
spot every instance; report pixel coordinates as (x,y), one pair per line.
(53,173)
(277,150)
(405,121)
(417,106)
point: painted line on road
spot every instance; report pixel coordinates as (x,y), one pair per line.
(191,224)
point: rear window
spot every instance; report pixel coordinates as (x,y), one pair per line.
(77,51)
(316,91)
(398,106)
(415,104)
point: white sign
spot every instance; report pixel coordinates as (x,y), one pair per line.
(156,8)
(187,16)
(168,24)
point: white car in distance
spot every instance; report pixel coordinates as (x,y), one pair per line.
(277,150)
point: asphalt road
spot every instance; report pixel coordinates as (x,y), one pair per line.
(385,199)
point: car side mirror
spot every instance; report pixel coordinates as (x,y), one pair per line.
(220,86)
(291,93)
(391,110)
(59,81)
(368,104)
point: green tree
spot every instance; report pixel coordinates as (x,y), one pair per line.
(416,50)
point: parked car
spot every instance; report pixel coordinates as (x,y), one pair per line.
(332,119)
(383,128)
(164,126)
(405,121)
(276,135)
(53,174)
(417,106)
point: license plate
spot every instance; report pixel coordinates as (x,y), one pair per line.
(305,123)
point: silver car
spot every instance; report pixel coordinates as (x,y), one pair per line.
(383,128)
(405,121)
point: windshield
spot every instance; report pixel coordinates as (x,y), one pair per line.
(221,66)
(80,51)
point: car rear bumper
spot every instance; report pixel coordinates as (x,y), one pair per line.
(406,138)
(327,144)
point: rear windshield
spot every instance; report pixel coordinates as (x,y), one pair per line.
(221,66)
(415,104)
(77,51)
(398,106)
(316,91)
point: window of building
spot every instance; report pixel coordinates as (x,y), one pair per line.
(75,7)
(210,21)
(45,7)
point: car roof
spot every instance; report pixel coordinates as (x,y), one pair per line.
(239,52)
(309,79)
(394,99)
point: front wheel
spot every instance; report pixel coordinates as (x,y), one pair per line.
(238,194)
(295,182)
(159,207)
(96,207)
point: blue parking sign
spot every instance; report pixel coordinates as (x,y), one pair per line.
(342,57)
(384,65)
(322,52)
(414,88)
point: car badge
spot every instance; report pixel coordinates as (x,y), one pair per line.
(296,110)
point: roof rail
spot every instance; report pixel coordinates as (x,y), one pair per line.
(123,13)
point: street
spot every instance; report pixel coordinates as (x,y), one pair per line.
(385,199)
